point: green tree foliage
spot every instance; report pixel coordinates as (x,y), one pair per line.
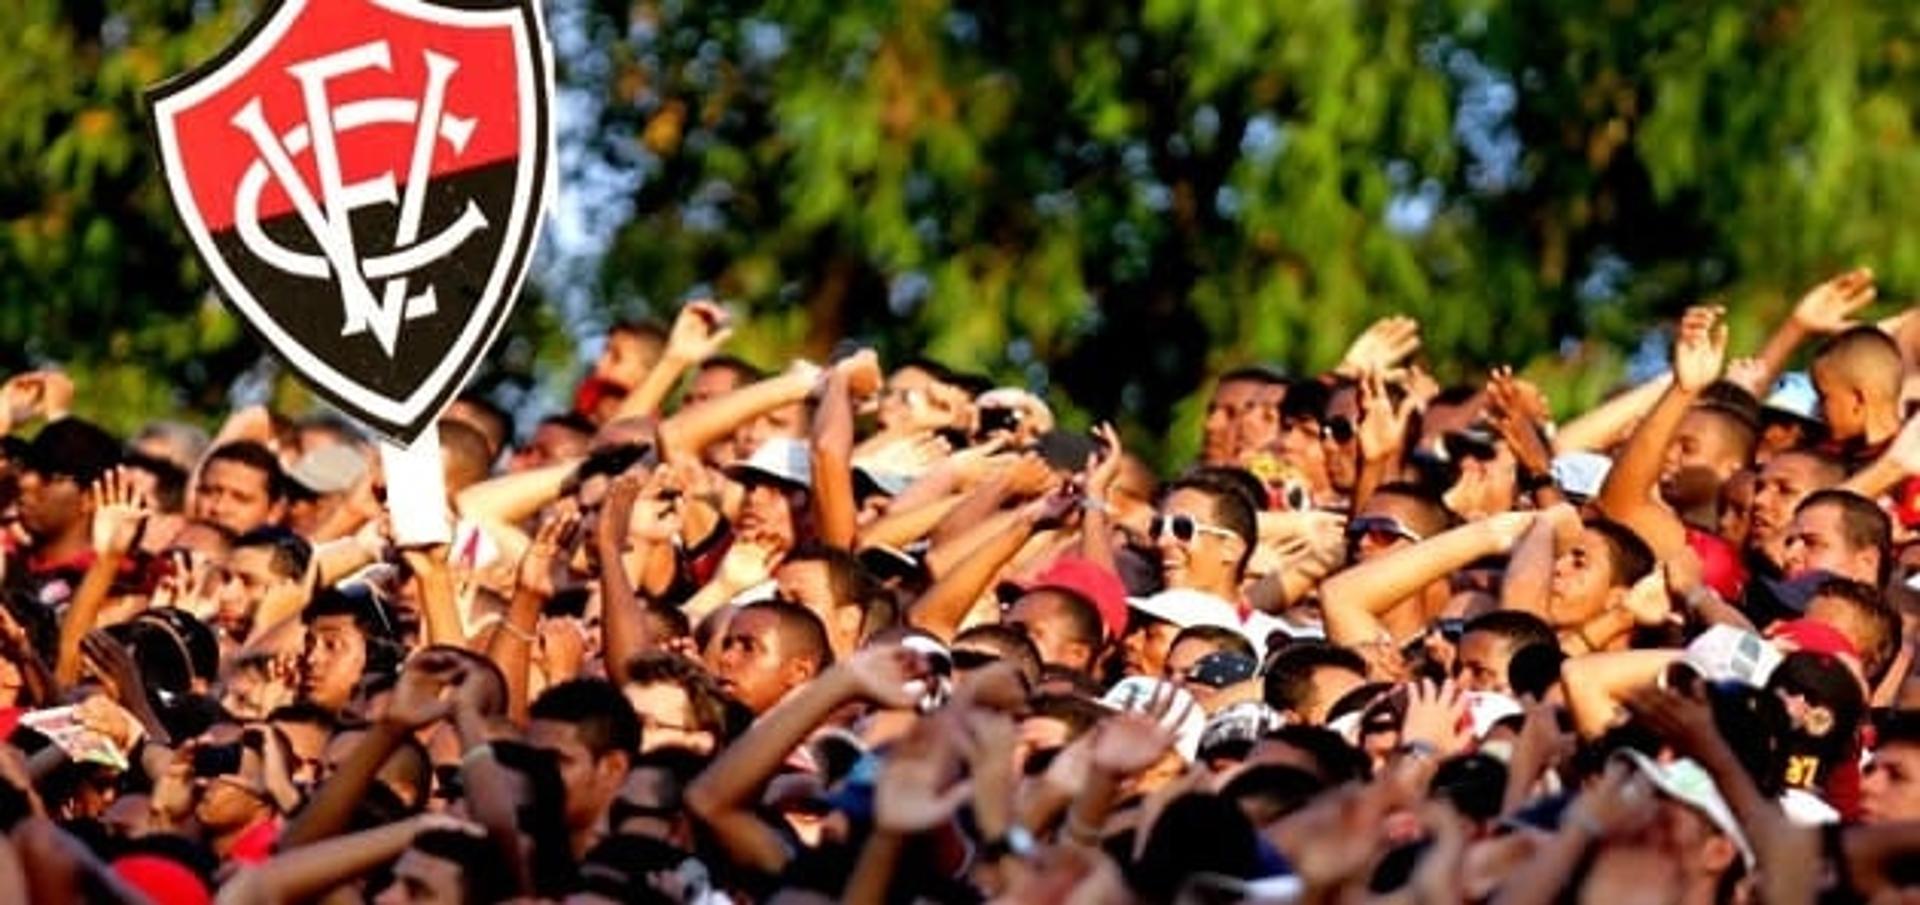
(1108,201)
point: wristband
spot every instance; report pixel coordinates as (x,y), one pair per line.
(475,754)
(1089,504)
(1017,843)
(515,631)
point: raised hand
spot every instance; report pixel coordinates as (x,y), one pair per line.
(616,511)
(1618,804)
(748,562)
(699,330)
(1128,743)
(1029,477)
(1648,602)
(655,519)
(1830,306)
(916,789)
(536,565)
(562,649)
(909,454)
(1699,347)
(1686,722)
(1508,527)
(1103,468)
(120,513)
(1382,347)
(886,674)
(46,394)
(1437,716)
(861,370)
(423,692)
(1518,411)
(1382,431)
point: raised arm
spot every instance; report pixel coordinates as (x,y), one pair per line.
(1605,424)
(946,603)
(1627,497)
(698,426)
(724,795)
(417,701)
(1530,568)
(1381,436)
(1352,600)
(305,873)
(1598,685)
(699,330)
(119,515)
(439,612)
(514,498)
(1826,309)
(832,447)
(511,645)
(624,627)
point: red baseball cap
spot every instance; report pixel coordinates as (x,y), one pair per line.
(1088,580)
(1813,636)
(163,880)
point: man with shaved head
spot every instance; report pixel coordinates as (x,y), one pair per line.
(1858,374)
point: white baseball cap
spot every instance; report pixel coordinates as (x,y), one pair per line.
(781,459)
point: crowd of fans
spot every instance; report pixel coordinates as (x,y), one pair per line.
(841,633)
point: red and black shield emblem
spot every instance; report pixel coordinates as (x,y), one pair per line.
(364,180)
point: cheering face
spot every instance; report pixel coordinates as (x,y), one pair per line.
(1842,406)
(752,665)
(1697,452)
(1582,582)
(1816,541)
(1483,661)
(1223,414)
(234,496)
(422,879)
(1890,791)
(1786,480)
(1145,646)
(591,782)
(50,505)
(768,512)
(1336,438)
(907,386)
(332,662)
(1257,425)
(1043,617)
(1205,559)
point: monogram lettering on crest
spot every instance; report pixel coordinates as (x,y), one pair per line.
(327,217)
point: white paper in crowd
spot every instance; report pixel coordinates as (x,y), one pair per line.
(417,490)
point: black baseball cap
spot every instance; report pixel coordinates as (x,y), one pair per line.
(72,448)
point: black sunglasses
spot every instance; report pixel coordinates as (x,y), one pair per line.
(1339,429)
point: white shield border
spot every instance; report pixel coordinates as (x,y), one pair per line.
(534,176)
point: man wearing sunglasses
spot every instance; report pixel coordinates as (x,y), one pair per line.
(1395,517)
(1205,533)
(1337,438)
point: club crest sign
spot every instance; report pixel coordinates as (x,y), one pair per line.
(365,180)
